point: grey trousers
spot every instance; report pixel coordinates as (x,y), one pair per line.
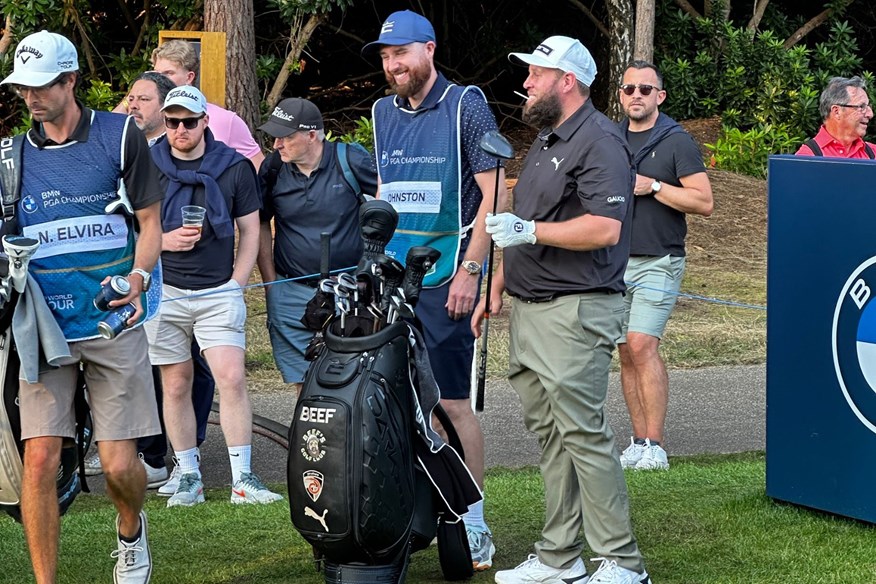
(559,363)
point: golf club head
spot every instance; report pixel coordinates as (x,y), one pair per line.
(419,261)
(392,272)
(495,144)
(377,221)
(19,250)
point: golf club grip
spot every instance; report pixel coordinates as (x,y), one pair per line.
(482,367)
(325,248)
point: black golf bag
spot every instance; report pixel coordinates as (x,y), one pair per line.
(362,457)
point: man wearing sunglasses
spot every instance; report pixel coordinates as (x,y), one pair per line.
(74,162)
(671,181)
(202,295)
(846,113)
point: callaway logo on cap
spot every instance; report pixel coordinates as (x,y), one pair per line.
(41,57)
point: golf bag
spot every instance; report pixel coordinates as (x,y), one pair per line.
(71,478)
(362,460)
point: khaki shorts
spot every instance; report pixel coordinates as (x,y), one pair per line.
(215,317)
(652,289)
(120,392)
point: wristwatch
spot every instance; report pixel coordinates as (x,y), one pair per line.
(472,267)
(147,278)
(656,186)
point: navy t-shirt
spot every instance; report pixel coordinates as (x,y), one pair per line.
(211,262)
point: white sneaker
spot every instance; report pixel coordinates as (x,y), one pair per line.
(532,571)
(170,487)
(133,560)
(632,454)
(610,573)
(480,543)
(155,477)
(251,490)
(654,458)
(189,493)
(92,463)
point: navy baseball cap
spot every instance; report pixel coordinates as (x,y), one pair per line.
(401,28)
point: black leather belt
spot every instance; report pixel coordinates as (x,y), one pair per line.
(560,294)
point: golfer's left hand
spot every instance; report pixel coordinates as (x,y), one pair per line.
(508,230)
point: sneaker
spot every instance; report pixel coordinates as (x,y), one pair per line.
(172,484)
(92,464)
(155,477)
(250,489)
(532,571)
(133,560)
(654,458)
(632,454)
(480,542)
(190,491)
(610,573)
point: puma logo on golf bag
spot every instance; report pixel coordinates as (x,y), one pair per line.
(321,518)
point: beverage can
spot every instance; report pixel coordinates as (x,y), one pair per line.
(117,287)
(116,321)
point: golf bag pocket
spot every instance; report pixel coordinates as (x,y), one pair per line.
(351,466)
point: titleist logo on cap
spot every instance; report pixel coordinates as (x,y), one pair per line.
(278,113)
(182,93)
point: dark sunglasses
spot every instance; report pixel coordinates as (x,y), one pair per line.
(188,123)
(629,89)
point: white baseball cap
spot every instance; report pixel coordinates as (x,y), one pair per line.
(40,58)
(188,97)
(563,53)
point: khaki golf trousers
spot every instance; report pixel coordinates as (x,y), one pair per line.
(559,363)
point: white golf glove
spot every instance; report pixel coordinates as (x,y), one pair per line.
(509,230)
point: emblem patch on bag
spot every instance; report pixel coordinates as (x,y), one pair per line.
(313,481)
(312,449)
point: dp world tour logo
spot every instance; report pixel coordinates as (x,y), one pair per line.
(854,343)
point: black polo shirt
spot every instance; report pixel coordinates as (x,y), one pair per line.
(304,206)
(140,173)
(583,166)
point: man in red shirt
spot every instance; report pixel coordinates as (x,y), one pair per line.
(846,110)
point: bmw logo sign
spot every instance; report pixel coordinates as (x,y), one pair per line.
(29,204)
(384,158)
(854,342)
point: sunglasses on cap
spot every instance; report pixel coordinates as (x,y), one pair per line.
(629,89)
(188,123)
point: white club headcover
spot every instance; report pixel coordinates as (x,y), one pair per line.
(19,250)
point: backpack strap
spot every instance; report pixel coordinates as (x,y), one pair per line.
(274,164)
(10,179)
(869,151)
(346,169)
(816,149)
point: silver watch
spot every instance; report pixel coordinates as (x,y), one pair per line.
(472,267)
(656,186)
(147,277)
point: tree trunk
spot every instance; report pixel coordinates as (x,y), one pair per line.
(644,49)
(299,36)
(687,7)
(235,18)
(759,9)
(811,25)
(620,25)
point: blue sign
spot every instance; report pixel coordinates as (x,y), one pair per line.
(821,334)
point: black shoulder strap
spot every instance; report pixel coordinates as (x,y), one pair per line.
(816,149)
(869,151)
(343,156)
(274,163)
(10,178)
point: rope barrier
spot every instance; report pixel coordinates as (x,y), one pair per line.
(629,285)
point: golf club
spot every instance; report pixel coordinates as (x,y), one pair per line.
(496,145)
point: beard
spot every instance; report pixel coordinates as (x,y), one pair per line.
(418,77)
(545,112)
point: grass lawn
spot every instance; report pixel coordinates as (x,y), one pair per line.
(706,521)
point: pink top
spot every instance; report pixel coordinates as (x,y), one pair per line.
(830,146)
(229,128)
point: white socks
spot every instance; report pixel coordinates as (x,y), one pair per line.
(189,461)
(240,457)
